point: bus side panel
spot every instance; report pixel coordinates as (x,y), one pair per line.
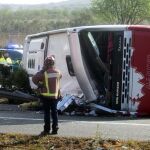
(58,45)
(141,71)
(35,54)
(25,50)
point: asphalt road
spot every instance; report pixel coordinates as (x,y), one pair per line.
(13,120)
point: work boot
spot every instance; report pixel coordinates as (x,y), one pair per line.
(54,132)
(44,133)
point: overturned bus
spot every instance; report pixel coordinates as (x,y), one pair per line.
(110,64)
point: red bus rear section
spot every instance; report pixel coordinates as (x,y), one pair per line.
(140,64)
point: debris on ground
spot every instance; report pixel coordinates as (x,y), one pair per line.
(73,105)
(68,105)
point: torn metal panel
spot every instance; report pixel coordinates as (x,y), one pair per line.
(92,105)
(65,102)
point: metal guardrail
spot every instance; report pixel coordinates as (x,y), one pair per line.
(18,95)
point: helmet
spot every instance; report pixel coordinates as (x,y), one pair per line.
(49,61)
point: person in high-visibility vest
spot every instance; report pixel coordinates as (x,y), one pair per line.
(7,58)
(2,59)
(48,82)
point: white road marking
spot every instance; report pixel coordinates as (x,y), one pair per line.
(15,118)
(117,123)
(91,122)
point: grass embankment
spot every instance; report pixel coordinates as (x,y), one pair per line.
(28,142)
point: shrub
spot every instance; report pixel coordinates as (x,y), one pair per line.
(20,80)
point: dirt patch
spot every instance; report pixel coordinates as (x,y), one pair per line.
(20,142)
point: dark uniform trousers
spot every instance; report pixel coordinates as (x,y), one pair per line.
(50,108)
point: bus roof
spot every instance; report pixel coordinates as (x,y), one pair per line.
(100,27)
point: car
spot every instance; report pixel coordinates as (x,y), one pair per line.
(15,55)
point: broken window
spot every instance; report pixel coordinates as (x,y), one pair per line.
(97,48)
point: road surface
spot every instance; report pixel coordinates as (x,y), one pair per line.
(31,122)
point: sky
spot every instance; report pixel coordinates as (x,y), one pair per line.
(28,1)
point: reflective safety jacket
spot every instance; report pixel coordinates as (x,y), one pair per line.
(3,61)
(48,82)
(9,61)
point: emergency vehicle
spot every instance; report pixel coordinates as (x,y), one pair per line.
(110,64)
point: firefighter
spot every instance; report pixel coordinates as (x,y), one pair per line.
(48,82)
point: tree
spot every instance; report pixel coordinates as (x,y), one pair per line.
(122,11)
(81,17)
